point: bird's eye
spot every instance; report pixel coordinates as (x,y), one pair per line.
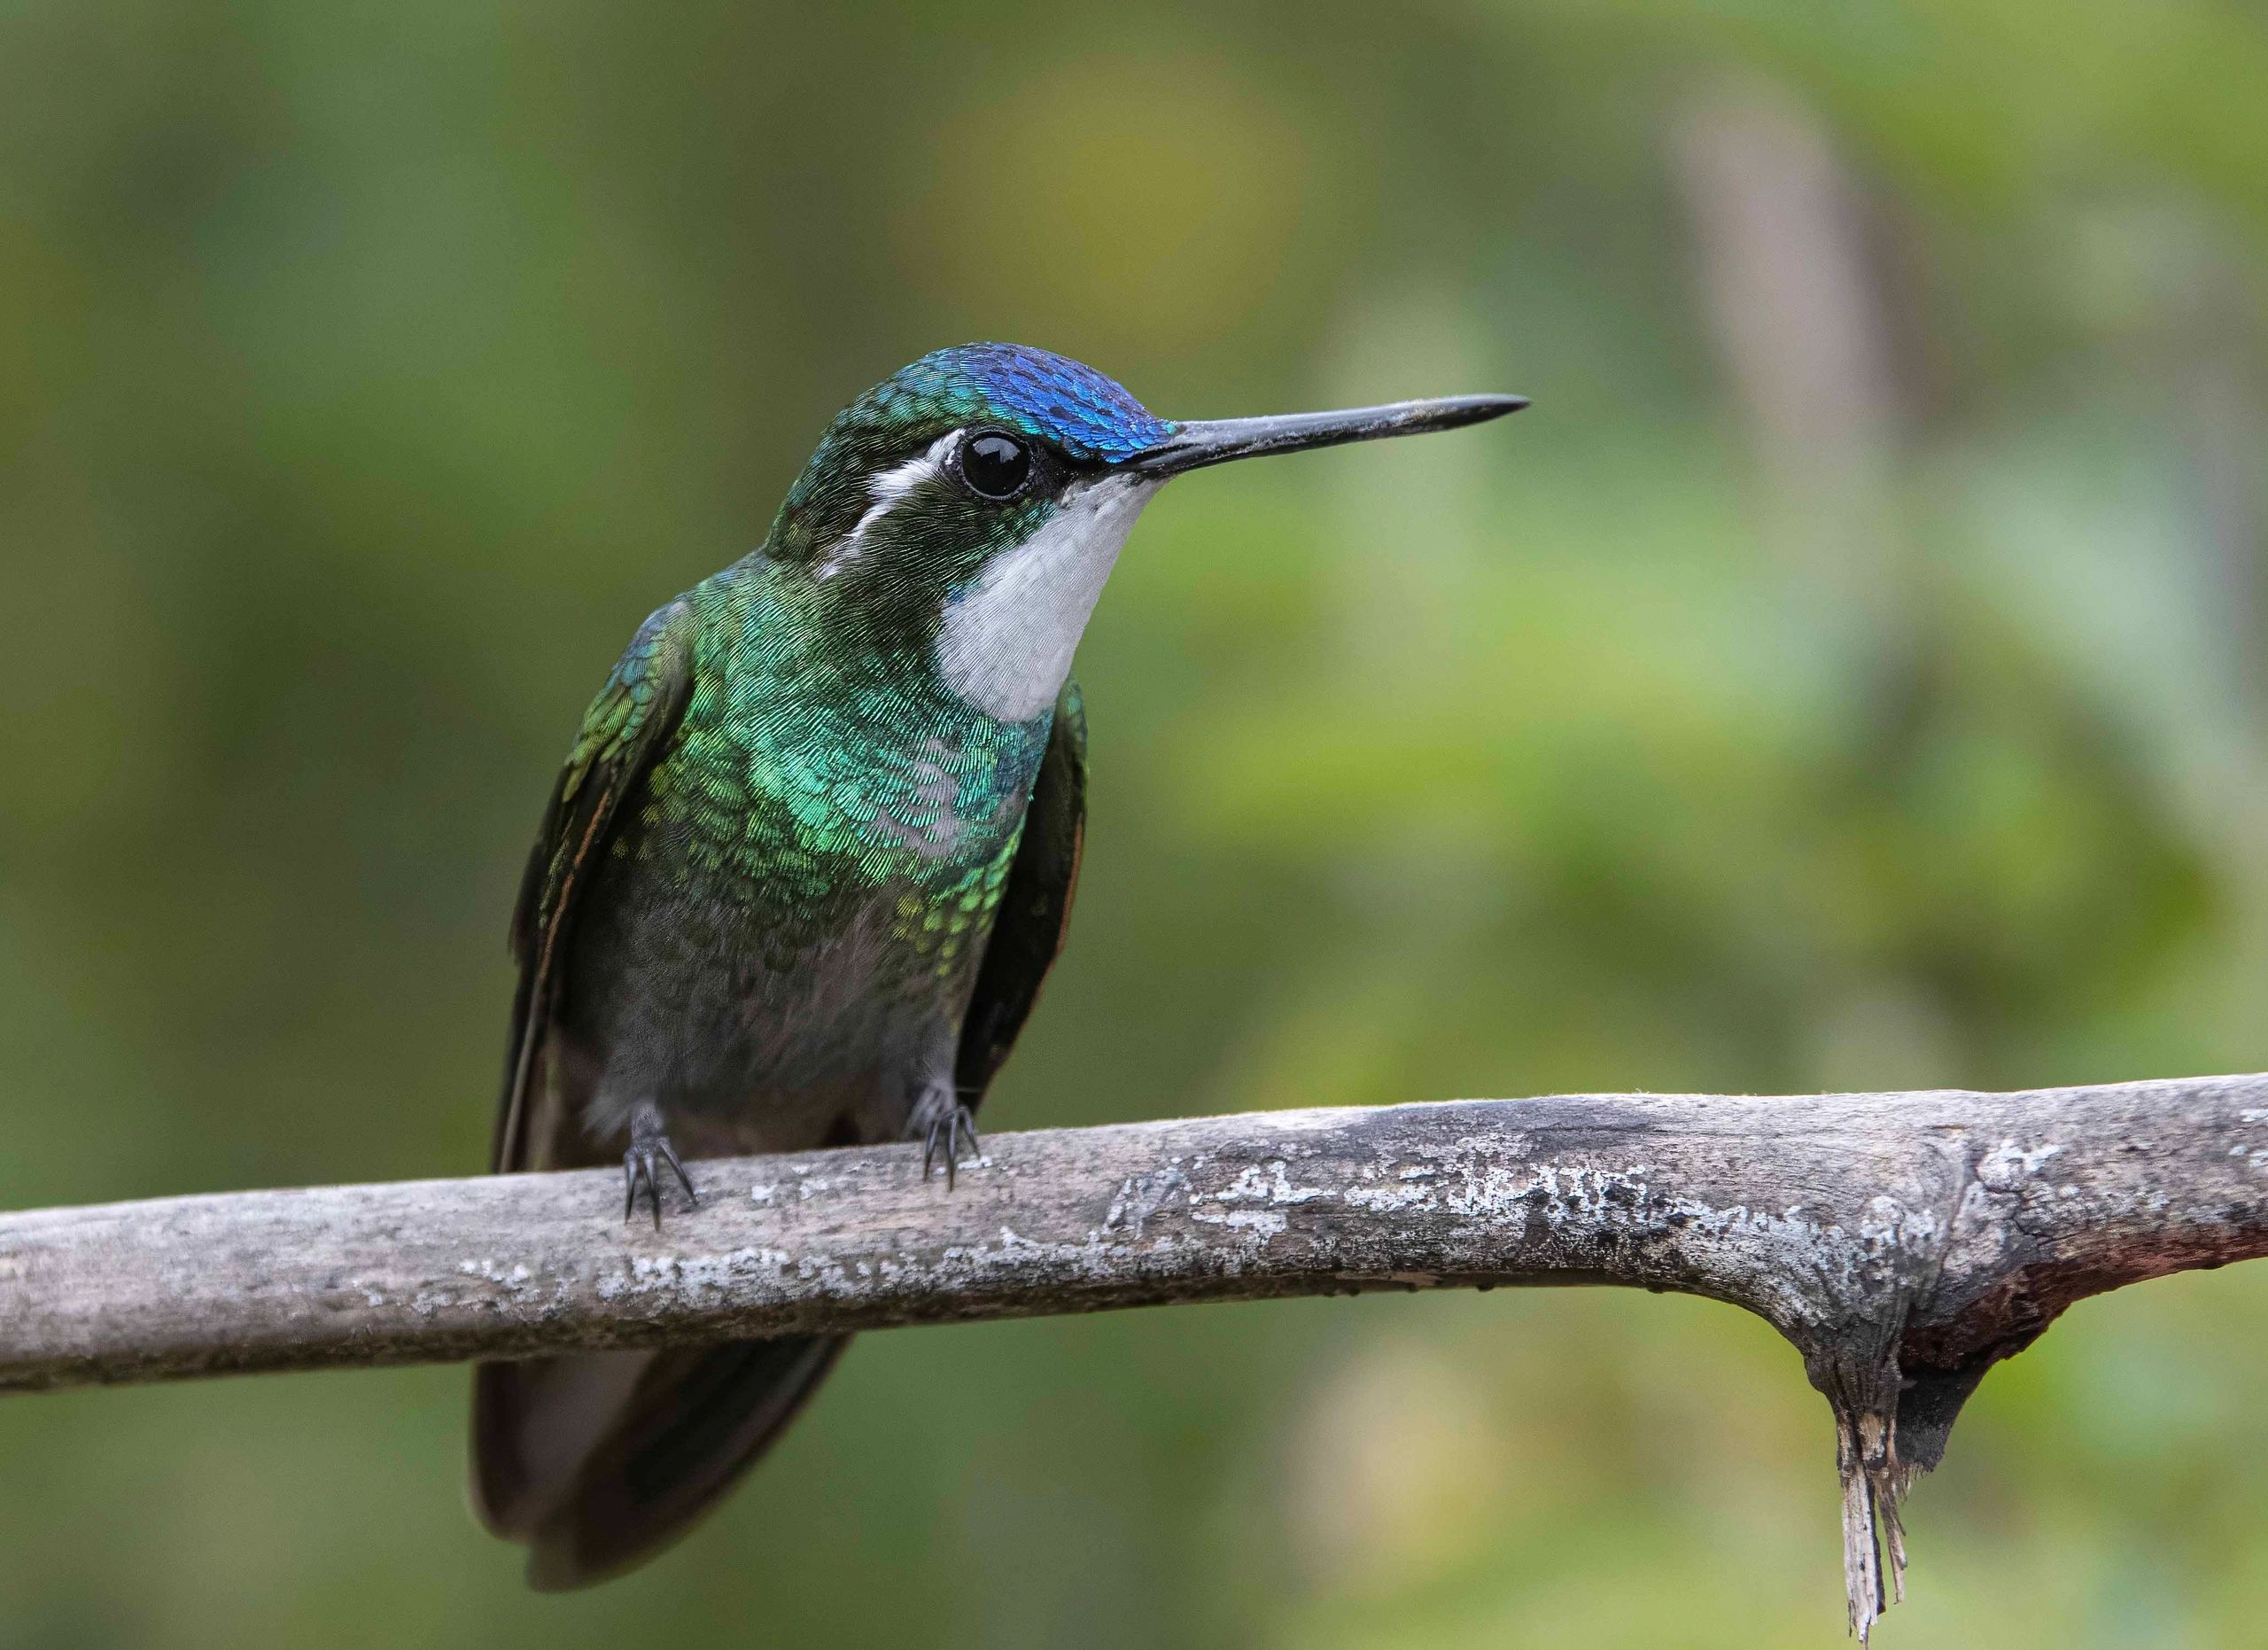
(995,466)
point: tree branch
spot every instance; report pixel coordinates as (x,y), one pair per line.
(1903,1243)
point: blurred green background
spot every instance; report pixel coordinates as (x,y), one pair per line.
(1850,673)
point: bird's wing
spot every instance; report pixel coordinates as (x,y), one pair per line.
(1034,906)
(626,727)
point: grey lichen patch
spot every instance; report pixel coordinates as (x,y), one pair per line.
(1267,1183)
(698,1280)
(1391,1198)
(1261,1223)
(512,1277)
(1141,1196)
(2007,1164)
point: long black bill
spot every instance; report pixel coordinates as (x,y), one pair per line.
(1217,441)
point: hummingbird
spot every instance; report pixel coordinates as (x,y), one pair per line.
(809,861)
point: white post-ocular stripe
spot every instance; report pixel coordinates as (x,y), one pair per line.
(885,487)
(1007,640)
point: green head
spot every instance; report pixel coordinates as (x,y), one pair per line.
(977,501)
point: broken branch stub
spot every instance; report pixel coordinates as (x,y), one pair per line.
(1903,1243)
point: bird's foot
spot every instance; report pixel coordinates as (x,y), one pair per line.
(649,1147)
(945,1126)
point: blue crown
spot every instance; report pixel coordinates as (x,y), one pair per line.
(1073,408)
(1047,396)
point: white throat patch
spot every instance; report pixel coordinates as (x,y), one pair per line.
(1006,641)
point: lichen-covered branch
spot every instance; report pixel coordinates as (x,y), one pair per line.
(1902,1243)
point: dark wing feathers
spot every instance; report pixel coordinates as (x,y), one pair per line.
(625,727)
(1034,906)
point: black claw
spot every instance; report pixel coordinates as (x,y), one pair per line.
(638,1165)
(669,1156)
(946,1135)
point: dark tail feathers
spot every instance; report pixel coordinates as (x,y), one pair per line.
(600,1460)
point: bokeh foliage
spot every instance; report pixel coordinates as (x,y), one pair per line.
(1849,673)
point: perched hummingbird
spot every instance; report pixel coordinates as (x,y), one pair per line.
(810,858)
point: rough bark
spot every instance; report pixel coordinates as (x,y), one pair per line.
(1903,1243)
